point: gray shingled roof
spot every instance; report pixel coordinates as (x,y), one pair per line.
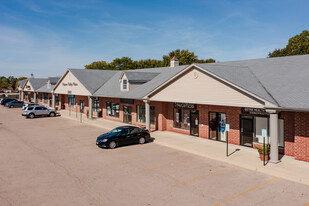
(112,87)
(93,79)
(140,77)
(281,80)
(36,83)
(53,80)
(21,83)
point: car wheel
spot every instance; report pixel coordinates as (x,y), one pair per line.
(11,106)
(112,144)
(52,114)
(31,116)
(142,140)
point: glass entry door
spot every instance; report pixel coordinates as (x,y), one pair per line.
(246,131)
(127,114)
(217,121)
(194,122)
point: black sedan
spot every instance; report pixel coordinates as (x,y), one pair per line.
(6,100)
(14,103)
(123,136)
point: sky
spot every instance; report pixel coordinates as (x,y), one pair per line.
(47,37)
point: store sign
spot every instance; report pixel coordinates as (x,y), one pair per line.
(256,111)
(69,84)
(127,101)
(184,105)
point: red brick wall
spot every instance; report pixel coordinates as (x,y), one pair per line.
(232,118)
(289,132)
(301,146)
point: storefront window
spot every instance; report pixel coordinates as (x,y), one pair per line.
(41,97)
(112,109)
(260,123)
(96,104)
(281,132)
(45,98)
(57,100)
(141,114)
(182,118)
(71,102)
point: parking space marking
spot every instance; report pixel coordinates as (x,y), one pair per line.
(196,178)
(247,191)
(170,164)
(149,155)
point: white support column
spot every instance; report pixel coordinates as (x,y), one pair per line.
(90,107)
(22,96)
(34,97)
(273,133)
(53,100)
(147,110)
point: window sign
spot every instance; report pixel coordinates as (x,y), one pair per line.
(227,127)
(177,117)
(264,133)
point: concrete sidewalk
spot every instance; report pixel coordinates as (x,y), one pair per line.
(241,156)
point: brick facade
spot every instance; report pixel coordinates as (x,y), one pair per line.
(296,129)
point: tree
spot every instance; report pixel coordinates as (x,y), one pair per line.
(103,65)
(185,57)
(297,45)
(4,83)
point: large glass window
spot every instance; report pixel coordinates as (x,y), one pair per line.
(112,109)
(260,123)
(41,97)
(281,132)
(57,100)
(96,105)
(182,118)
(45,98)
(141,114)
(71,102)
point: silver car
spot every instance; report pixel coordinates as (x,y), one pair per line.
(37,110)
(29,104)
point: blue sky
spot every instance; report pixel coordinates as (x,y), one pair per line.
(47,37)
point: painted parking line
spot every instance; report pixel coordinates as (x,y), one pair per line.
(247,191)
(196,178)
(170,164)
(149,155)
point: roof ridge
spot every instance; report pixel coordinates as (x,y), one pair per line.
(263,87)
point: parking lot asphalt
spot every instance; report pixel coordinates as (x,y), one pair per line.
(54,161)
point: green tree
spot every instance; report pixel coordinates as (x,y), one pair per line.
(103,65)
(4,83)
(184,57)
(297,45)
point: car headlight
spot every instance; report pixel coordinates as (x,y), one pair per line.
(103,140)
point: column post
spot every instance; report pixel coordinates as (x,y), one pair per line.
(53,100)
(34,97)
(273,133)
(22,96)
(90,107)
(147,110)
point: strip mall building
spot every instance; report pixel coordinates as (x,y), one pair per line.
(250,95)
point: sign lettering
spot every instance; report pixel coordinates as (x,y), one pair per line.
(184,105)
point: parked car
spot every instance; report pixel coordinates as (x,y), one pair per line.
(37,110)
(123,136)
(29,104)
(14,104)
(6,100)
